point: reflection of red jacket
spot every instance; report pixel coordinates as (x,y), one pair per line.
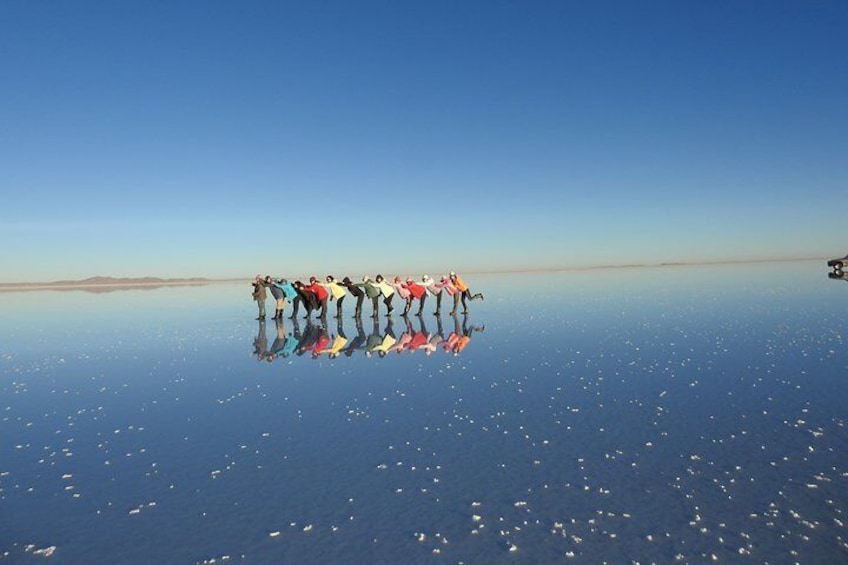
(415,289)
(318,290)
(320,345)
(418,339)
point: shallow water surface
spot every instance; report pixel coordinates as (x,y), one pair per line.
(674,414)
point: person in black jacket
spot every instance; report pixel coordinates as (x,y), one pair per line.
(356,291)
(306,297)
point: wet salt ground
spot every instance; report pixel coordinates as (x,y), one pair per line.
(659,415)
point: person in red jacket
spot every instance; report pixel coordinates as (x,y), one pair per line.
(415,292)
(321,295)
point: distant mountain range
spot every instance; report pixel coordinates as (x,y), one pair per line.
(103,282)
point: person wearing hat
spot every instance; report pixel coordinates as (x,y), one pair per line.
(464,293)
(288,293)
(321,295)
(372,291)
(354,289)
(400,289)
(436,289)
(416,292)
(259,295)
(448,287)
(305,296)
(278,295)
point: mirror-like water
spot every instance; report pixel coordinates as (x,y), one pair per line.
(651,415)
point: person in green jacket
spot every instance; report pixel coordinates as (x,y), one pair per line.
(260,295)
(372,291)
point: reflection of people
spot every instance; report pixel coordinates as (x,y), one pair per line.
(375,338)
(386,342)
(465,338)
(308,339)
(437,338)
(260,342)
(321,342)
(339,341)
(359,341)
(405,338)
(450,342)
(421,339)
(464,293)
(317,341)
(283,345)
(259,295)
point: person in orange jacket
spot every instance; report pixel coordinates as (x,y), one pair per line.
(464,293)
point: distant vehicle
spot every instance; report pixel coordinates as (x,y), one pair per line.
(838,264)
(838,276)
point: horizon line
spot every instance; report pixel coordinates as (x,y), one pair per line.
(141,282)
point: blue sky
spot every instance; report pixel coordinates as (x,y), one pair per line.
(223,139)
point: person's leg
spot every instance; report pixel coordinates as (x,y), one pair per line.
(408,305)
(421,304)
(388,303)
(339,307)
(323,306)
(455,303)
(464,304)
(261,304)
(358,313)
(375,304)
(438,303)
(295,307)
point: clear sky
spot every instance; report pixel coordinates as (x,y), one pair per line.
(222,139)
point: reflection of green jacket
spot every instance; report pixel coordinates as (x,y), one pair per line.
(374,341)
(371,289)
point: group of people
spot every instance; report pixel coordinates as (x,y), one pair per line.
(316,341)
(315,295)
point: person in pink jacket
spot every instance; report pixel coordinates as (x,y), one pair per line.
(448,286)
